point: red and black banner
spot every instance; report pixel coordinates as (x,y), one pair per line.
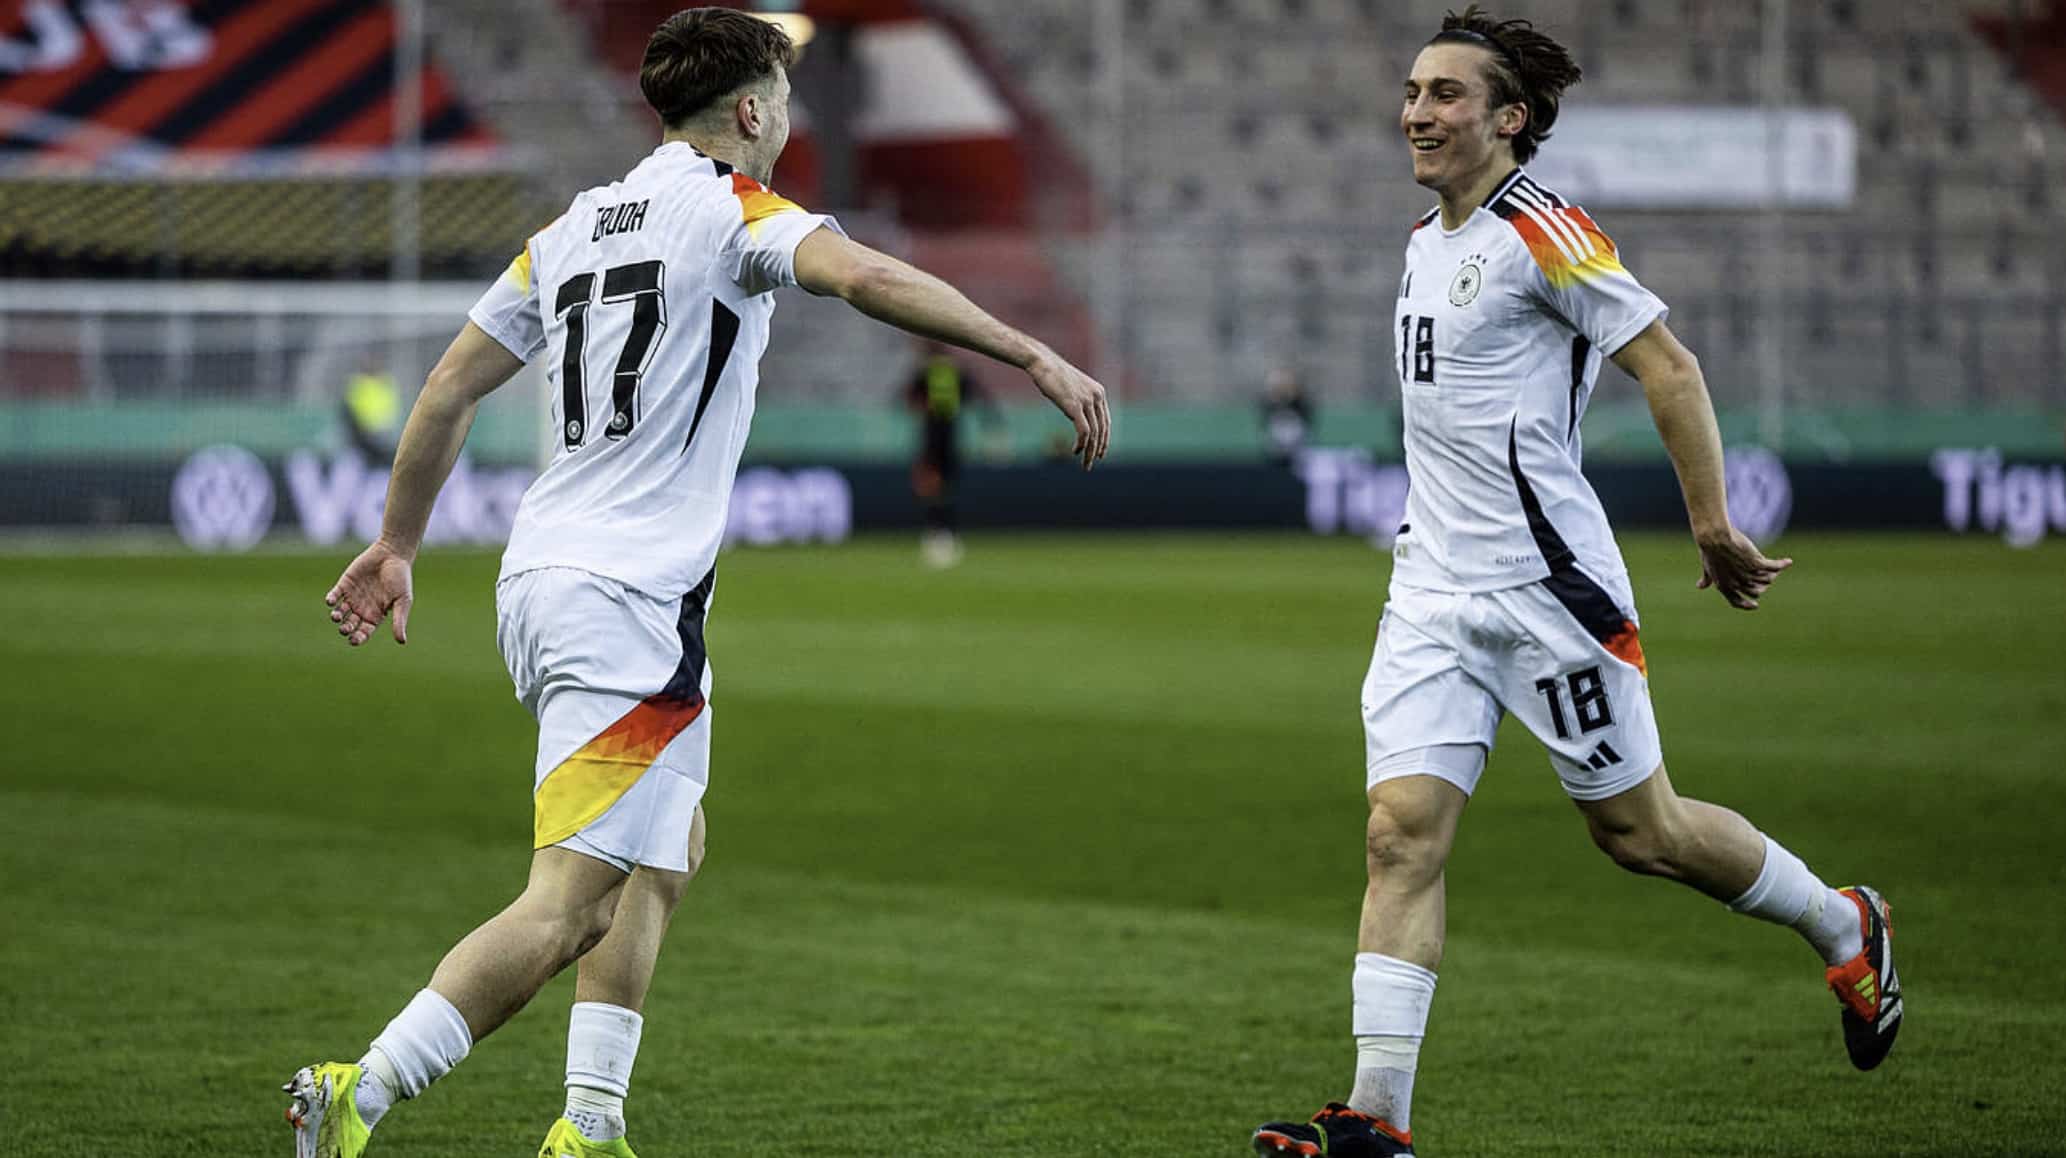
(135,83)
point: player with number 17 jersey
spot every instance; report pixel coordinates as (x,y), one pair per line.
(650,302)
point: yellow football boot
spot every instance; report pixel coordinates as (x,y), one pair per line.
(565,1141)
(325,1112)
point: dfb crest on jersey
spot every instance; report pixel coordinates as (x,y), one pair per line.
(1469,279)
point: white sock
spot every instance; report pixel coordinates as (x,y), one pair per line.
(602,1046)
(1832,926)
(1787,893)
(1384,1077)
(422,1044)
(1391,1018)
(599,1116)
(376,1089)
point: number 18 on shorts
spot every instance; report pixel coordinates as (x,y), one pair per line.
(1448,665)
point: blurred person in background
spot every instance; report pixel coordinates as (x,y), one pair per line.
(370,413)
(1508,591)
(650,301)
(1287,415)
(941,393)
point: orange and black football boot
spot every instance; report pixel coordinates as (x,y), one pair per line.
(1336,1131)
(1867,985)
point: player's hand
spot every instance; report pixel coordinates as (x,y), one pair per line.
(376,583)
(1079,397)
(1733,565)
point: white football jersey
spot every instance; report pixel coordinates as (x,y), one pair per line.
(1501,326)
(650,299)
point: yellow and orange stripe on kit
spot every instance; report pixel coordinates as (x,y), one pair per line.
(1555,258)
(587,783)
(759,202)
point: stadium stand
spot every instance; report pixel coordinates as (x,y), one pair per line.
(1260,154)
(254,149)
(1236,201)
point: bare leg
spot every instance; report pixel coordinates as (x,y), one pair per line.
(1413,823)
(619,969)
(1651,829)
(610,985)
(500,966)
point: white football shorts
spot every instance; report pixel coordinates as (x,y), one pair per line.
(620,685)
(1562,655)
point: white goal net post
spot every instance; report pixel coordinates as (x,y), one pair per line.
(142,370)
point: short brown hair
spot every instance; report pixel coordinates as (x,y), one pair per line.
(700,54)
(1527,68)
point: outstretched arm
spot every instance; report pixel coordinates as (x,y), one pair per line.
(378,581)
(910,299)
(1684,415)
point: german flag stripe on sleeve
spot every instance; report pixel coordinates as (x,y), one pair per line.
(1565,241)
(758,202)
(519,271)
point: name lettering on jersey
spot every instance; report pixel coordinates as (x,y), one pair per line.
(1469,279)
(611,220)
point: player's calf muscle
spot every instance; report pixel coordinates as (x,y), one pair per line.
(1703,845)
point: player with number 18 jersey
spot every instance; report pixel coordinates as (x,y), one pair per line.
(1501,324)
(1501,329)
(1508,593)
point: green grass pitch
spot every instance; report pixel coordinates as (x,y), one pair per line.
(1058,853)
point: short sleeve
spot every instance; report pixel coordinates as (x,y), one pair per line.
(760,252)
(508,311)
(1583,280)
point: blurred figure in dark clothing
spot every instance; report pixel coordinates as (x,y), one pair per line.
(1287,415)
(940,392)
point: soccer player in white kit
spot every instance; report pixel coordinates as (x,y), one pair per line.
(1508,592)
(649,299)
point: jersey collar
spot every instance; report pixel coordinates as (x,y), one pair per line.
(1498,191)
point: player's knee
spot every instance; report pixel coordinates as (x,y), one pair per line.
(1399,843)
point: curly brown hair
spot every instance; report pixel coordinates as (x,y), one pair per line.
(1526,68)
(700,54)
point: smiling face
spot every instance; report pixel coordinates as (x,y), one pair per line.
(1449,120)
